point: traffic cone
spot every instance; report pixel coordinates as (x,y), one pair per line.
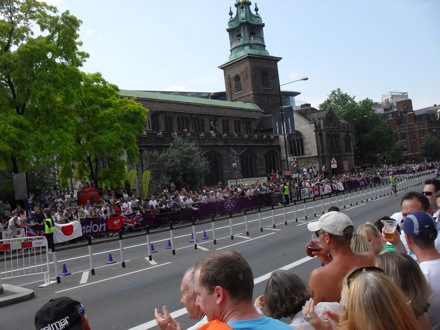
(64,272)
(169,247)
(205,236)
(110,259)
(191,240)
(152,248)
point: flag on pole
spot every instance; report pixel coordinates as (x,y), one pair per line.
(115,222)
(67,231)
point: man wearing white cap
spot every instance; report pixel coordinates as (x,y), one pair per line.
(334,231)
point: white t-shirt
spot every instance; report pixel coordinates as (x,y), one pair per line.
(12,223)
(299,323)
(436,215)
(431,270)
(153,203)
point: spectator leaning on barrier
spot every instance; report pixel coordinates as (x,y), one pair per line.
(62,313)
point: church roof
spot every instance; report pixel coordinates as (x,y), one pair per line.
(310,114)
(177,98)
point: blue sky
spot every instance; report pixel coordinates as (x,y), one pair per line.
(365,47)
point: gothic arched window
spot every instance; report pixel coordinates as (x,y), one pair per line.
(347,142)
(296,144)
(248,162)
(215,174)
(272,161)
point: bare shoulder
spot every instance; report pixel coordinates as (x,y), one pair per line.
(365,259)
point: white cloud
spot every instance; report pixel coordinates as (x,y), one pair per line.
(175,88)
(55,3)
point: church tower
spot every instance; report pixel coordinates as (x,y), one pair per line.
(251,74)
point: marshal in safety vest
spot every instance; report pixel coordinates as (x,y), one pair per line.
(48,226)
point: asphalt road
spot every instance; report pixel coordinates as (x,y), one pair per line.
(125,298)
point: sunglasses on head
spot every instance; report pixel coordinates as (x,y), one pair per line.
(357,271)
(427,193)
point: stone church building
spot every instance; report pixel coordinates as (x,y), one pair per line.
(235,126)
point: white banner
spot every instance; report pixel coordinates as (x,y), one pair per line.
(67,231)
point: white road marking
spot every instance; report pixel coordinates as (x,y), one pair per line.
(112,278)
(228,246)
(152,262)
(241,236)
(84,278)
(271,228)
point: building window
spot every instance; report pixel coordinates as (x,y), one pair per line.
(347,142)
(153,123)
(197,124)
(168,123)
(225,126)
(237,126)
(402,136)
(183,124)
(322,144)
(247,126)
(215,161)
(272,161)
(237,81)
(296,144)
(248,164)
(265,84)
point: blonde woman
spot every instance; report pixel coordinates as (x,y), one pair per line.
(359,244)
(406,273)
(369,301)
(375,238)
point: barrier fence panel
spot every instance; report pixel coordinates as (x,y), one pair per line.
(25,256)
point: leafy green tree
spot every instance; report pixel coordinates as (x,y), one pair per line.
(431,148)
(39,79)
(182,164)
(374,136)
(105,133)
(395,155)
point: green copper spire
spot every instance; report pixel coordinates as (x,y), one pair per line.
(245,31)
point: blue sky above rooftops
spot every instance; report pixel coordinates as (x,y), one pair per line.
(366,48)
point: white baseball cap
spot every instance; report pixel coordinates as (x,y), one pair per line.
(333,222)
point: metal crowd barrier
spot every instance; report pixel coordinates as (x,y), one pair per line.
(25,256)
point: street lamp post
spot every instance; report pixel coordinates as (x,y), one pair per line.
(284,136)
(301,79)
(236,172)
(282,120)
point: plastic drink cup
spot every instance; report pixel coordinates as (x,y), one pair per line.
(389,228)
(314,244)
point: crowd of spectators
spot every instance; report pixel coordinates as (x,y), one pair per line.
(65,208)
